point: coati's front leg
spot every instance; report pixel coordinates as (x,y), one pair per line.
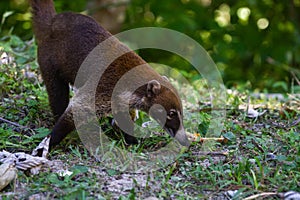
(129,139)
(125,127)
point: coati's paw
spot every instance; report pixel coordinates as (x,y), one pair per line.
(129,139)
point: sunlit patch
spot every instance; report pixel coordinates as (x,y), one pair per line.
(243,13)
(149,16)
(204,3)
(160,20)
(205,35)
(227,38)
(222,15)
(262,23)
(185,1)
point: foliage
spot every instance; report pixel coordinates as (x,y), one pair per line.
(19,20)
(21,94)
(243,37)
(252,40)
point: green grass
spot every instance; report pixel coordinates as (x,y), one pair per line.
(263,153)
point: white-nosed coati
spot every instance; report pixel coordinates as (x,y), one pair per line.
(64,41)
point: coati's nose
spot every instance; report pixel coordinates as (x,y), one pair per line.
(181,137)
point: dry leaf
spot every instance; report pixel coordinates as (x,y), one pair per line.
(8,173)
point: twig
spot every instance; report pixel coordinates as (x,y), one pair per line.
(197,138)
(261,195)
(221,139)
(295,77)
(258,146)
(209,109)
(13,123)
(294,123)
(216,153)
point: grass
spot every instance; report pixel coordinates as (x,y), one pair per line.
(259,155)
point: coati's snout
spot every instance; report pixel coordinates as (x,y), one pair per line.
(166,109)
(171,121)
(174,126)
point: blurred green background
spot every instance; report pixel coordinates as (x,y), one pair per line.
(253,42)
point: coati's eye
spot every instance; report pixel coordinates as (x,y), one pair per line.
(172,114)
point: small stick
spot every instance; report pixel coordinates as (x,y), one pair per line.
(294,123)
(261,195)
(258,146)
(216,153)
(13,123)
(197,138)
(295,77)
(221,139)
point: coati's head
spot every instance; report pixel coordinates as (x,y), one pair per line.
(161,101)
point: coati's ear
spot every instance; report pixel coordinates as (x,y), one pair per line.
(166,78)
(153,88)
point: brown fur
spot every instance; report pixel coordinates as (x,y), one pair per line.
(64,41)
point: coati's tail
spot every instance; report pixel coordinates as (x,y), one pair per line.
(43,11)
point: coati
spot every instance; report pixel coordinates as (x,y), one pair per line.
(64,41)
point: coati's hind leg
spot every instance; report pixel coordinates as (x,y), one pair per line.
(63,126)
(58,95)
